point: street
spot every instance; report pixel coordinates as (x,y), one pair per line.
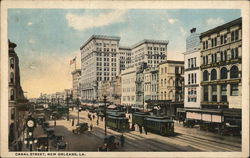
(186,139)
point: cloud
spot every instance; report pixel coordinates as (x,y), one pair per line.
(29,23)
(31,41)
(172,20)
(82,22)
(212,22)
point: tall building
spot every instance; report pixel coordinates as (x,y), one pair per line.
(124,58)
(192,71)
(152,52)
(76,76)
(17,102)
(193,41)
(98,63)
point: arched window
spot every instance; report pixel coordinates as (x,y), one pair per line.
(234,71)
(11,77)
(165,95)
(205,75)
(12,63)
(213,74)
(223,73)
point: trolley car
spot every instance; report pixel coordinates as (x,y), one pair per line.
(117,121)
(138,118)
(160,125)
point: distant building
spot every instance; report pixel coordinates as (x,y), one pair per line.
(76,76)
(193,41)
(17,102)
(152,52)
(124,58)
(192,71)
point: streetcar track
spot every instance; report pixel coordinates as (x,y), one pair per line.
(204,144)
(211,141)
(217,137)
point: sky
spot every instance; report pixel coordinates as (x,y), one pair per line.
(48,38)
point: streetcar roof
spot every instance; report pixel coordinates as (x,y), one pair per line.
(157,120)
(119,118)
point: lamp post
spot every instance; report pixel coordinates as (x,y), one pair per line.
(105,113)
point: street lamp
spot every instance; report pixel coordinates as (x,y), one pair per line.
(105,113)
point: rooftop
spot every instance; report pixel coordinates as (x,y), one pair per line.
(100,37)
(222,27)
(150,41)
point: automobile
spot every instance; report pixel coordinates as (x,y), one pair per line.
(50,132)
(109,143)
(58,142)
(80,128)
(42,143)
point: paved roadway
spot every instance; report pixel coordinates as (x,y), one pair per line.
(187,139)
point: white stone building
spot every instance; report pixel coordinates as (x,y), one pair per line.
(128,78)
(192,71)
(152,52)
(98,63)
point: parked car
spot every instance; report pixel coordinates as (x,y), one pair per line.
(58,142)
(80,128)
(109,143)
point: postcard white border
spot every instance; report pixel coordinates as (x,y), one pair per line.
(243,5)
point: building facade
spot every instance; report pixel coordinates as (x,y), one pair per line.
(171,81)
(124,58)
(76,76)
(98,63)
(128,88)
(17,108)
(192,71)
(152,52)
(221,55)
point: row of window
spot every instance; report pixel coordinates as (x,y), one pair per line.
(234,73)
(156,48)
(223,92)
(105,44)
(192,62)
(223,39)
(192,78)
(105,54)
(223,56)
(127,98)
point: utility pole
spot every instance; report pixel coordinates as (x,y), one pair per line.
(78,110)
(105,113)
(67,101)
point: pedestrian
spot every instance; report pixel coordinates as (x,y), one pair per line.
(93,116)
(73,121)
(140,128)
(97,122)
(122,139)
(91,127)
(55,122)
(146,130)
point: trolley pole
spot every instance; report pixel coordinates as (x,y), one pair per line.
(105,113)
